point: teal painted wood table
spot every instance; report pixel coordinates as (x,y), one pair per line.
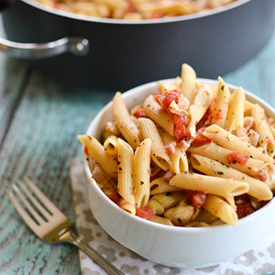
(39,121)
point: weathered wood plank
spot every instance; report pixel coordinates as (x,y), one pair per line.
(40,140)
(13,75)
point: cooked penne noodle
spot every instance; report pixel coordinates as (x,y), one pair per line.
(124,121)
(177,156)
(159,156)
(156,206)
(236,110)
(229,141)
(222,210)
(161,220)
(127,206)
(214,185)
(199,106)
(159,186)
(247,108)
(110,145)
(199,165)
(261,126)
(125,171)
(188,82)
(205,217)
(170,199)
(221,107)
(166,86)
(257,188)
(155,112)
(141,176)
(219,153)
(197,224)
(97,152)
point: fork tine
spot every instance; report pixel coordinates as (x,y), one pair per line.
(25,216)
(27,204)
(34,201)
(51,207)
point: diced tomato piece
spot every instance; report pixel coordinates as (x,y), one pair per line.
(170,96)
(265,118)
(237,157)
(144,212)
(200,138)
(182,133)
(113,197)
(181,123)
(243,197)
(139,113)
(180,120)
(244,209)
(262,176)
(157,96)
(197,198)
(156,14)
(86,150)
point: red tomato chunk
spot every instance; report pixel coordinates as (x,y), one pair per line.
(170,96)
(237,157)
(244,209)
(197,198)
(200,138)
(144,212)
(139,113)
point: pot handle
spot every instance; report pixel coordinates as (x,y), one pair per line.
(73,45)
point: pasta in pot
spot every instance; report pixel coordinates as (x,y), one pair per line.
(134,9)
(184,159)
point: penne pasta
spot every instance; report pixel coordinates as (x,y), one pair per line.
(159,186)
(161,220)
(221,107)
(229,141)
(198,165)
(177,156)
(156,207)
(125,171)
(110,145)
(188,82)
(214,185)
(236,111)
(124,121)
(155,112)
(97,152)
(159,156)
(261,126)
(141,176)
(257,188)
(198,108)
(219,153)
(219,208)
(170,199)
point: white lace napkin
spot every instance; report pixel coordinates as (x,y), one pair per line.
(260,260)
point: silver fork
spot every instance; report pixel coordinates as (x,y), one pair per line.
(50,224)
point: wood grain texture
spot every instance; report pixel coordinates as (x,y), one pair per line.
(45,119)
(39,122)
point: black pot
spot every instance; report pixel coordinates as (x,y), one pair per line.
(123,54)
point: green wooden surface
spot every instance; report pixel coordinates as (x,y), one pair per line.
(39,122)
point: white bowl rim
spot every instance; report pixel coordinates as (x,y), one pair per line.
(71,15)
(159,226)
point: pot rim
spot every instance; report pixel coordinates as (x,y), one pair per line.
(71,15)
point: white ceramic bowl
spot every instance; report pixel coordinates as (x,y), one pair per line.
(167,245)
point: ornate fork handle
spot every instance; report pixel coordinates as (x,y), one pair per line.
(71,237)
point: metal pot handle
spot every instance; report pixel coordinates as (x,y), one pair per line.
(73,45)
